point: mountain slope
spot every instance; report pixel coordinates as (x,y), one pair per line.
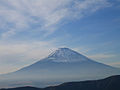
(63,65)
(111,83)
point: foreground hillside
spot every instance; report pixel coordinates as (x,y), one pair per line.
(110,83)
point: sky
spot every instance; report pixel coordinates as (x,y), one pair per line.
(31,29)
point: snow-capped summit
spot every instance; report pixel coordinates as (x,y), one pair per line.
(66,55)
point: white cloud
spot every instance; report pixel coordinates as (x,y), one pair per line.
(82,50)
(8,34)
(101,56)
(20,15)
(115,64)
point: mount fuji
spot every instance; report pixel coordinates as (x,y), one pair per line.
(63,65)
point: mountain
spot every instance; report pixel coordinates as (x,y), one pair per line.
(63,65)
(66,55)
(110,83)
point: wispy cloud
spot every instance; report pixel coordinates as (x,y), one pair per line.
(115,64)
(101,56)
(20,15)
(96,56)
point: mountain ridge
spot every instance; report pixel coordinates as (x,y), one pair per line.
(109,83)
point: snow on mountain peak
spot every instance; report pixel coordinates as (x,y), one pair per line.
(66,55)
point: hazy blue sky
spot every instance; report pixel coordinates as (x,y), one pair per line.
(31,29)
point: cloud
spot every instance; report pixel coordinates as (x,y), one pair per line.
(8,33)
(82,50)
(95,56)
(17,55)
(115,64)
(21,15)
(101,56)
